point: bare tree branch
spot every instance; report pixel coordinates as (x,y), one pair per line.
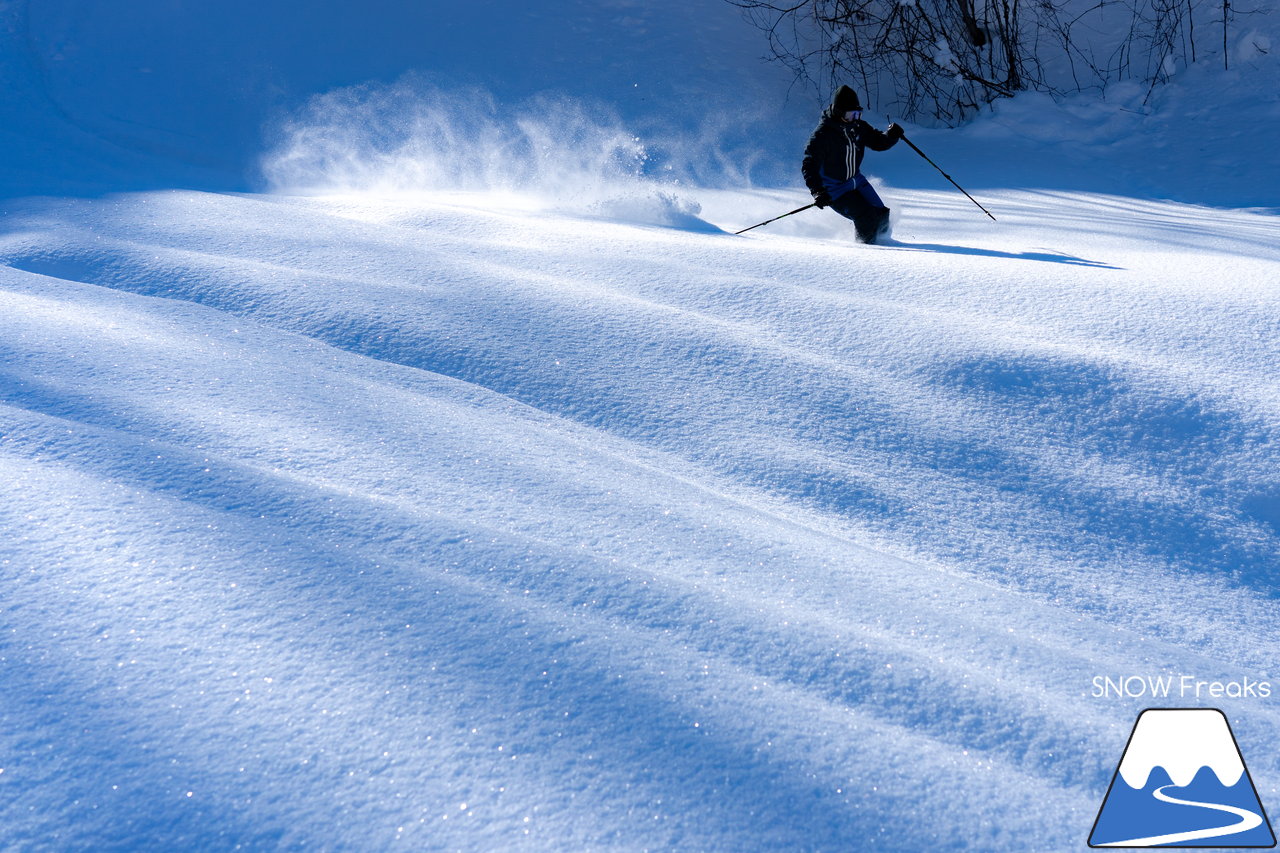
(946,59)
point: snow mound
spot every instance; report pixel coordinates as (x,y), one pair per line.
(653,207)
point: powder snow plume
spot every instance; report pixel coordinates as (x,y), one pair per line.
(415,137)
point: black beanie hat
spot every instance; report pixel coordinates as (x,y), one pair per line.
(845,100)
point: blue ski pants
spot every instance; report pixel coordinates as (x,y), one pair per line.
(864,207)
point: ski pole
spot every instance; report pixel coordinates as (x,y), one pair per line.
(948,177)
(776,218)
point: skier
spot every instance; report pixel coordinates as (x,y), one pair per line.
(833,160)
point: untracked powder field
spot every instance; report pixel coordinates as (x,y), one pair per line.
(449,474)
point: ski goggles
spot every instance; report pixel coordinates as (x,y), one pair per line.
(853,115)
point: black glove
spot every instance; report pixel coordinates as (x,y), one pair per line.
(822,199)
(895,132)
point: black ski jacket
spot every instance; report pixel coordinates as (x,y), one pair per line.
(835,151)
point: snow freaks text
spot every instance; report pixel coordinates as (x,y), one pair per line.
(1177,687)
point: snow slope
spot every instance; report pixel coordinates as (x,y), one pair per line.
(347,522)
(478,490)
